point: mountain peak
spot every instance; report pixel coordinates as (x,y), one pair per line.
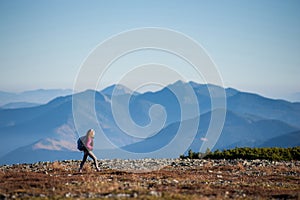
(117,90)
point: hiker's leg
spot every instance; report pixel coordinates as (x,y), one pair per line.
(85,155)
(92,155)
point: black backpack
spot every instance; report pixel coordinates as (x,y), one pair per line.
(80,145)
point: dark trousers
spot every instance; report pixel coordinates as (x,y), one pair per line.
(91,155)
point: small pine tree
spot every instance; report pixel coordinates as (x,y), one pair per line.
(207,151)
(190,154)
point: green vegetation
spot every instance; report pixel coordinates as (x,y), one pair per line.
(194,155)
(273,154)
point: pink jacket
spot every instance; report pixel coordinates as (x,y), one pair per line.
(89,144)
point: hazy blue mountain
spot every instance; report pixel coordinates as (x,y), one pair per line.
(40,96)
(253,104)
(172,104)
(118,90)
(250,133)
(5,95)
(295,97)
(55,120)
(165,98)
(13,117)
(251,120)
(15,105)
(155,142)
(238,131)
(287,140)
(41,150)
(264,107)
(19,127)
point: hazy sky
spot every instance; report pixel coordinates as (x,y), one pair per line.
(255,44)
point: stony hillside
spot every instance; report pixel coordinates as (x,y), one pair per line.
(153,179)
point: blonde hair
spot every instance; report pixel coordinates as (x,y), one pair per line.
(90,133)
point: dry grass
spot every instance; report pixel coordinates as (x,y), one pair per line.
(206,182)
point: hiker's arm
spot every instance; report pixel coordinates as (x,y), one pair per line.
(88,144)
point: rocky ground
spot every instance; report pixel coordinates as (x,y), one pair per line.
(153,179)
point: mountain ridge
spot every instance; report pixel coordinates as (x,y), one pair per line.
(247,116)
(39,96)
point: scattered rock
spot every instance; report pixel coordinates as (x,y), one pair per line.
(155,193)
(151,177)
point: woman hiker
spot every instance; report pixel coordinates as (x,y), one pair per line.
(87,148)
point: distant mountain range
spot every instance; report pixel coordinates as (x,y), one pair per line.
(285,140)
(14,105)
(294,97)
(29,98)
(48,131)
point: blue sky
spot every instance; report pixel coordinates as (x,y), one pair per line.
(255,44)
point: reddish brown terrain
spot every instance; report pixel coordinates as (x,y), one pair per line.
(178,179)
